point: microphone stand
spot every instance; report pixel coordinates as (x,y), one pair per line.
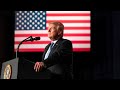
(17,50)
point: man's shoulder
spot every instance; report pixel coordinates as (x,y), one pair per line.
(66,40)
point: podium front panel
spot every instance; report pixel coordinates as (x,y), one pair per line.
(9,69)
(21,68)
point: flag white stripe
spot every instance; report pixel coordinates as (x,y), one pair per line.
(68,18)
(81,38)
(54,12)
(45,31)
(43,46)
(75,24)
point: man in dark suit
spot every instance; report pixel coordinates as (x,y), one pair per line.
(57,57)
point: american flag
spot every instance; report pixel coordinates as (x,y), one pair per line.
(35,23)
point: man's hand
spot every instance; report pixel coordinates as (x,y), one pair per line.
(38,66)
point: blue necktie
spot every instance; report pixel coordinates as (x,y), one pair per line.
(48,51)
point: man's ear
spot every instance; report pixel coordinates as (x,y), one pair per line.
(59,33)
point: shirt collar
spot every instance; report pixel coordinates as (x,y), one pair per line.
(54,41)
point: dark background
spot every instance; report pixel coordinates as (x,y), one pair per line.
(102,63)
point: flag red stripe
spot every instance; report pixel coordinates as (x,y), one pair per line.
(36,42)
(41,50)
(46,42)
(71,21)
(77,28)
(81,49)
(68,14)
(30,50)
(35,35)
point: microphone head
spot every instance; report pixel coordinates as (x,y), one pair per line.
(37,38)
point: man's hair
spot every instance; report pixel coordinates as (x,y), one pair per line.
(59,26)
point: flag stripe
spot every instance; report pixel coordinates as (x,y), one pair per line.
(77,28)
(42,49)
(52,12)
(42,45)
(68,18)
(68,14)
(39,35)
(75,24)
(82,38)
(45,31)
(46,42)
(81,49)
(71,21)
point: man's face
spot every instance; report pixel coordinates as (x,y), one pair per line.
(52,32)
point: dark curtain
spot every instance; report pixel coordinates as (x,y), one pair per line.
(103,65)
(6,35)
(116,44)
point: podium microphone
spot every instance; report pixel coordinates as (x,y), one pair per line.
(30,38)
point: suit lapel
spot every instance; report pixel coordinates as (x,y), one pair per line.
(53,49)
(55,46)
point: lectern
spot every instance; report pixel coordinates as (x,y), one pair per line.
(21,68)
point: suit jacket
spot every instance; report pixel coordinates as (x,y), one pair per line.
(59,61)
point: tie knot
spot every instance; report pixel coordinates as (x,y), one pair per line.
(51,45)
